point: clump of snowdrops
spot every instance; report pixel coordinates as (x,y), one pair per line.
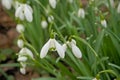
(68,39)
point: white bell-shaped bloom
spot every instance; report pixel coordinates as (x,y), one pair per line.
(25,51)
(20,43)
(72,44)
(20,28)
(7,4)
(22,58)
(76,51)
(24,11)
(104,23)
(52,43)
(53,3)
(50,18)
(118,8)
(44,24)
(22,70)
(81,13)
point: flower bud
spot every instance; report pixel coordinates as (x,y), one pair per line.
(20,43)
(20,28)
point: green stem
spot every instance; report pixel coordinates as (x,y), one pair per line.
(40,4)
(107,71)
(32,48)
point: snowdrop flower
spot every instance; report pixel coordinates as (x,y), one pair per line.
(72,44)
(22,58)
(44,24)
(25,51)
(81,13)
(20,28)
(7,4)
(104,23)
(23,70)
(52,44)
(20,43)
(53,3)
(50,18)
(76,51)
(118,8)
(24,11)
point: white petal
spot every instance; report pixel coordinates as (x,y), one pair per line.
(29,7)
(20,43)
(81,13)
(64,47)
(26,51)
(73,41)
(45,49)
(22,59)
(22,70)
(118,9)
(52,3)
(104,23)
(7,4)
(76,51)
(59,49)
(29,52)
(52,43)
(70,43)
(21,16)
(28,14)
(18,11)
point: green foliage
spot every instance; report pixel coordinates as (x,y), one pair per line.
(99,45)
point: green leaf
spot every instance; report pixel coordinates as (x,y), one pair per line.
(45,79)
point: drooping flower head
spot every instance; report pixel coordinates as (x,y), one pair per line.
(104,23)
(23,57)
(52,44)
(72,44)
(24,11)
(81,13)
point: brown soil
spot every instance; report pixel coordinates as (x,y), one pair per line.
(8,35)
